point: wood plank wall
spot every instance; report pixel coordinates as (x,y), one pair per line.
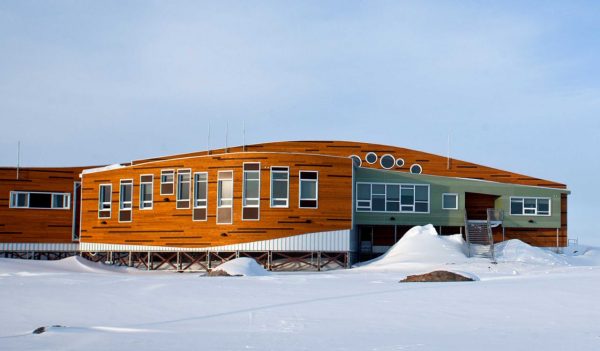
(432,164)
(36,225)
(165,225)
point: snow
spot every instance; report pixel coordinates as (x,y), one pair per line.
(532,299)
(102,169)
(517,251)
(243,266)
(422,245)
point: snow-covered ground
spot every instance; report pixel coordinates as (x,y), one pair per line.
(532,299)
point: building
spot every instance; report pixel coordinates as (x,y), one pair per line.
(287,204)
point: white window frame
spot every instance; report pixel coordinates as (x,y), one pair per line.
(367,155)
(353,157)
(219,180)
(230,206)
(14,204)
(195,204)
(244,198)
(183,171)
(364,209)
(194,200)
(121,202)
(173,173)
(109,209)
(271,198)
(393,161)
(450,194)
(143,207)
(415,165)
(523,198)
(316,181)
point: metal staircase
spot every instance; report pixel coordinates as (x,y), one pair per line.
(480,239)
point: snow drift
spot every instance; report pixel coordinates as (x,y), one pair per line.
(515,250)
(242,266)
(423,245)
(73,264)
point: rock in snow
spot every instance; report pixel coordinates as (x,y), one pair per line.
(241,266)
(436,276)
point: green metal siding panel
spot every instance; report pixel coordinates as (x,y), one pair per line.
(440,185)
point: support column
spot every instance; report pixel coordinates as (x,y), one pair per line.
(270,260)
(318,260)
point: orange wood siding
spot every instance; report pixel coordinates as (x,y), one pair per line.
(432,164)
(533,236)
(165,225)
(19,225)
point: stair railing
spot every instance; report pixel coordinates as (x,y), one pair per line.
(467,236)
(495,217)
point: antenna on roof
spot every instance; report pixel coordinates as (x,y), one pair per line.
(448,165)
(244,136)
(208,140)
(18,157)
(226,135)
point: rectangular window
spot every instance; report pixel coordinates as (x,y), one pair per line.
(125,195)
(363,197)
(449,201)
(40,200)
(251,191)
(104,201)
(379,197)
(392,198)
(530,206)
(167,186)
(125,200)
(183,188)
(280,180)
(225,197)
(309,189)
(200,196)
(19,199)
(146,193)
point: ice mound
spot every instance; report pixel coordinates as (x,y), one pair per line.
(515,250)
(422,244)
(242,266)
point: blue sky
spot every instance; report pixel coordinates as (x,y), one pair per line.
(516,84)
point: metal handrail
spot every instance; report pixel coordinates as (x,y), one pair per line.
(467,235)
(496,216)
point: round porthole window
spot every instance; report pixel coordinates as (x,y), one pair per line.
(399,162)
(416,169)
(387,161)
(371,157)
(356,160)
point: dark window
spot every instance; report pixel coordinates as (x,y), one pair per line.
(279,186)
(309,189)
(371,157)
(37,200)
(416,169)
(387,161)
(450,201)
(167,186)
(183,188)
